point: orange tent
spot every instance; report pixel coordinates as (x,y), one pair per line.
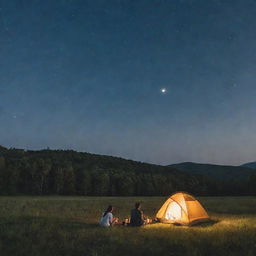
(182,208)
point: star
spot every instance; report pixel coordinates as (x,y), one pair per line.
(163,90)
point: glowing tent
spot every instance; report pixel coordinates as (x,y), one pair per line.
(182,208)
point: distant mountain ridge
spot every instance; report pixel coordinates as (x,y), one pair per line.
(250,165)
(226,172)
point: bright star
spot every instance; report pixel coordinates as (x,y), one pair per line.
(163,90)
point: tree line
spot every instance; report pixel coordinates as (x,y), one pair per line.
(67,172)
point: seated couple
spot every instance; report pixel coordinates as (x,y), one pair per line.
(137,218)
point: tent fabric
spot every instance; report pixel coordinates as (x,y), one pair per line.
(181,208)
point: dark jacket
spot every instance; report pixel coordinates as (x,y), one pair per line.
(136,218)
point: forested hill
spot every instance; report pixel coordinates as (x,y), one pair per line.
(67,172)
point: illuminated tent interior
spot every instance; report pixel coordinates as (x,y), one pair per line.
(182,208)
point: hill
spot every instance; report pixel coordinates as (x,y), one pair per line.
(223,172)
(250,165)
(67,172)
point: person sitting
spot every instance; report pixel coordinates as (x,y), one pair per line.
(107,218)
(137,217)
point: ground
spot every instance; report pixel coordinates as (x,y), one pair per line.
(68,226)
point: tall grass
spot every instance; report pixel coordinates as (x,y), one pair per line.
(68,226)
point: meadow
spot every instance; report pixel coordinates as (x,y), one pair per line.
(68,226)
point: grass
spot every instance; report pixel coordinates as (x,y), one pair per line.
(68,226)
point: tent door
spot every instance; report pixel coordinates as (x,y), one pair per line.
(173,212)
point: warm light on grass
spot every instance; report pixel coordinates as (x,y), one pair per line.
(68,226)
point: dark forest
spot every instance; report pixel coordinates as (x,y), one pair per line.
(67,172)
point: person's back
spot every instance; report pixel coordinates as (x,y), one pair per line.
(136,216)
(106,220)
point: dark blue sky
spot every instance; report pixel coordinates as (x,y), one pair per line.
(87,75)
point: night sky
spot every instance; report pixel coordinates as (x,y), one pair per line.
(87,75)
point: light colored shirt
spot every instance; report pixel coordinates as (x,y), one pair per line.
(106,220)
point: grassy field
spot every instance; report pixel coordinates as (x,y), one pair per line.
(68,226)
